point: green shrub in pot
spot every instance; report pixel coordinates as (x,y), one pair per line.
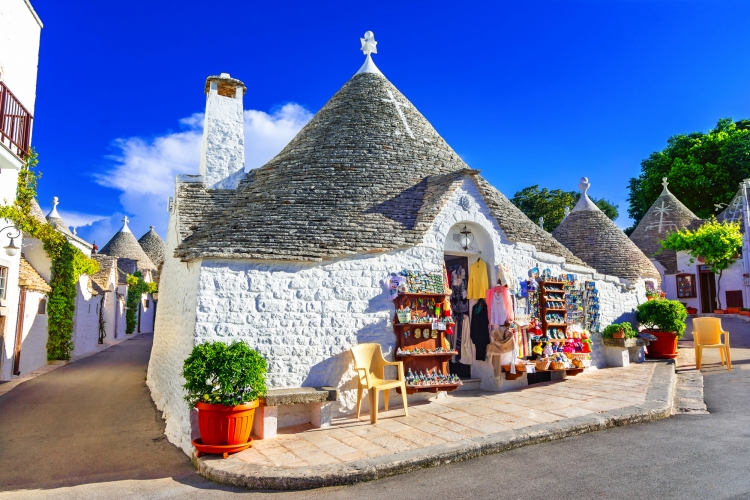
(663,315)
(626,327)
(224,374)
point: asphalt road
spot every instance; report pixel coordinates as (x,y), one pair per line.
(89,430)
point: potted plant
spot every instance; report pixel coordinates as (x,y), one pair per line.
(665,319)
(744,311)
(733,310)
(619,331)
(223,382)
(720,311)
(652,294)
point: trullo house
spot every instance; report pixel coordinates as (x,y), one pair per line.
(294,258)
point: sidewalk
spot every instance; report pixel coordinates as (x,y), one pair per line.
(461,426)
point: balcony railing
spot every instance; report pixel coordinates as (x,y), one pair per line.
(15,123)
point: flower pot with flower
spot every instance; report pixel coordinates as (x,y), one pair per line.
(224,382)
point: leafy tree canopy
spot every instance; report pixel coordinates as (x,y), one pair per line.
(535,203)
(718,243)
(703,169)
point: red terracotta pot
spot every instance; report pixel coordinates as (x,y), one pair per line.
(745,313)
(733,310)
(664,347)
(719,311)
(226,425)
(618,335)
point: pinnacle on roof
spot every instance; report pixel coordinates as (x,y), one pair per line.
(123,244)
(356,178)
(667,214)
(593,237)
(154,246)
(54,219)
(369,46)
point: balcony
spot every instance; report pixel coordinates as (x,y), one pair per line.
(15,123)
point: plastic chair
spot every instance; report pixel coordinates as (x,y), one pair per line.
(370,366)
(707,332)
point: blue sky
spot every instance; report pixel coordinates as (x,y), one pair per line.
(526,92)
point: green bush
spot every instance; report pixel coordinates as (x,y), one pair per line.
(664,315)
(610,330)
(224,374)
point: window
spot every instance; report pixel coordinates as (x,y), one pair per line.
(3,281)
(685,286)
(42,306)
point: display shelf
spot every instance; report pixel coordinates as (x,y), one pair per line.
(547,288)
(556,309)
(428,363)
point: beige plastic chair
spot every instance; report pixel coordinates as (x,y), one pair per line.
(707,332)
(370,366)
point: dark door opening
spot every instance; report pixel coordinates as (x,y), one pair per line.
(456,263)
(708,290)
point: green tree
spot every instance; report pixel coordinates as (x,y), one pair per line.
(536,203)
(719,244)
(704,170)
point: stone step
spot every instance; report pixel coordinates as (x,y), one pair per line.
(688,394)
(470,384)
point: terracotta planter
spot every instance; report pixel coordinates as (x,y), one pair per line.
(665,345)
(651,298)
(692,310)
(719,311)
(226,425)
(733,310)
(618,335)
(745,313)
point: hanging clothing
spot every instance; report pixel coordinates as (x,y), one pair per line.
(459,294)
(478,283)
(467,346)
(500,305)
(480,328)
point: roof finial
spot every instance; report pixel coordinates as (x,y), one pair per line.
(369,46)
(541,222)
(53,212)
(585,203)
(567,211)
(664,183)
(125,228)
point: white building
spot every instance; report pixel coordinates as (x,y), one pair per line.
(20,30)
(294,258)
(686,279)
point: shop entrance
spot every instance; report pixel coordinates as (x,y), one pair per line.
(708,290)
(456,266)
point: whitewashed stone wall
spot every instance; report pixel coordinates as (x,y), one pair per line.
(19,49)
(222,163)
(732,279)
(174,338)
(147,315)
(86,319)
(34,343)
(304,317)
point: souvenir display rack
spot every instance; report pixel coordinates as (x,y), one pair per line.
(410,335)
(553,310)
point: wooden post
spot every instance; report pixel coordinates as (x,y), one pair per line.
(19,332)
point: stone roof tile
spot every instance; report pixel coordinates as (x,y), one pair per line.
(30,279)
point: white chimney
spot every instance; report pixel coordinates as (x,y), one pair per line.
(223,148)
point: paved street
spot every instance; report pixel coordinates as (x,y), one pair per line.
(90,430)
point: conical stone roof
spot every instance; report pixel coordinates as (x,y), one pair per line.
(357,178)
(54,219)
(123,244)
(592,236)
(154,246)
(666,215)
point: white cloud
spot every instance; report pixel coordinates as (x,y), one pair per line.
(145,169)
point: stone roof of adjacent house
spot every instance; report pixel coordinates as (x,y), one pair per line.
(36,212)
(591,235)
(106,264)
(733,211)
(667,214)
(54,219)
(30,279)
(367,174)
(124,245)
(154,247)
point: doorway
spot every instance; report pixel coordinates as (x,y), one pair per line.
(459,307)
(708,290)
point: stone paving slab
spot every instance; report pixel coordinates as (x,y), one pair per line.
(459,427)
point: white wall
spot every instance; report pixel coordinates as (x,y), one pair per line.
(86,319)
(8,305)
(20,29)
(304,317)
(174,338)
(147,315)
(731,279)
(34,344)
